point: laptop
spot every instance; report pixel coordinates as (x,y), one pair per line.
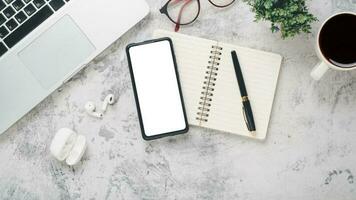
(43,43)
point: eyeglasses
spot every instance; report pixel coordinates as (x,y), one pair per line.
(174,9)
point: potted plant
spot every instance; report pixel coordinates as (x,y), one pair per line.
(290,17)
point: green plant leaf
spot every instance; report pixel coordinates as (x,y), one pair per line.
(290,17)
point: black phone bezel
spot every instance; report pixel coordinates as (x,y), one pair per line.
(145,137)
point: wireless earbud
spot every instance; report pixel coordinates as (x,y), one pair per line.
(109,100)
(91,110)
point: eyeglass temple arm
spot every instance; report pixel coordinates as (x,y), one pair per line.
(176,29)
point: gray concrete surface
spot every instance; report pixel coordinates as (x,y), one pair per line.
(309,152)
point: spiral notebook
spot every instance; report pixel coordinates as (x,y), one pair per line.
(209,85)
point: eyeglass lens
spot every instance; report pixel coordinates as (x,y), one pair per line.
(186,11)
(221,3)
(183,11)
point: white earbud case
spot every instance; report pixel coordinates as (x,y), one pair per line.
(68,145)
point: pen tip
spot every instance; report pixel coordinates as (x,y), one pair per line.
(253,133)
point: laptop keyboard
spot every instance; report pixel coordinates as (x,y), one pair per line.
(19,17)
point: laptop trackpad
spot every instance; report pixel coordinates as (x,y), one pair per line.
(57,52)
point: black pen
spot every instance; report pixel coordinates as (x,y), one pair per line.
(245,101)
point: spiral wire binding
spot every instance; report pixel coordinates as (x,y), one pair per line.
(209,84)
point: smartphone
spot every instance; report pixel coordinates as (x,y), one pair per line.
(156,87)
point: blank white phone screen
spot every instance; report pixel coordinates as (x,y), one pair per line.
(157,88)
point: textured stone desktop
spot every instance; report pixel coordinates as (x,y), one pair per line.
(309,153)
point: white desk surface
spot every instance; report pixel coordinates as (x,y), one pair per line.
(310,151)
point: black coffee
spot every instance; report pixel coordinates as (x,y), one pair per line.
(338,40)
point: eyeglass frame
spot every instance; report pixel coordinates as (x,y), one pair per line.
(164,10)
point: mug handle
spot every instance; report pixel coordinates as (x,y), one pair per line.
(319,70)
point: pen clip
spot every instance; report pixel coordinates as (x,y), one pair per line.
(245,118)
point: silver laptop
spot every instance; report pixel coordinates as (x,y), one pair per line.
(43,43)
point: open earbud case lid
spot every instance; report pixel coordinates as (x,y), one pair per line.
(68,145)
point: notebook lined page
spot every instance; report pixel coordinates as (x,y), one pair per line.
(260,70)
(192,55)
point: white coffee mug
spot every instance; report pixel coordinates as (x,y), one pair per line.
(322,67)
